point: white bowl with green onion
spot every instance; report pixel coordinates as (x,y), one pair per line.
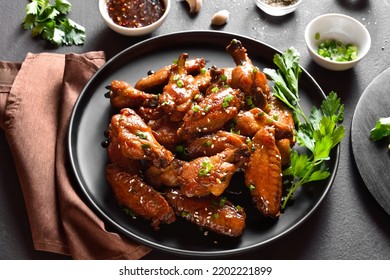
(337,42)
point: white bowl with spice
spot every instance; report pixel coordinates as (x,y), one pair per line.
(134,17)
(278,7)
(337,42)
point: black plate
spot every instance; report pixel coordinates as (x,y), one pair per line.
(91,116)
(373,158)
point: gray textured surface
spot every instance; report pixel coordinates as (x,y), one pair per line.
(348,225)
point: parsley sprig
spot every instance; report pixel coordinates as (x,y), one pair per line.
(319,133)
(50,21)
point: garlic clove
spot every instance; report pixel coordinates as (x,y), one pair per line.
(195,5)
(220,18)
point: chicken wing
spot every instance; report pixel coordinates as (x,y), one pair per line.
(160,177)
(123,95)
(136,140)
(263,175)
(212,144)
(160,78)
(178,95)
(165,132)
(209,175)
(212,113)
(133,193)
(248,123)
(214,214)
(247,77)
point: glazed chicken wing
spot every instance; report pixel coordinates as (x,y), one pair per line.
(248,123)
(123,95)
(212,144)
(160,78)
(214,214)
(165,132)
(178,95)
(247,77)
(132,192)
(263,175)
(212,113)
(209,175)
(160,177)
(136,140)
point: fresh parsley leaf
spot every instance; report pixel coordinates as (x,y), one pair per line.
(51,23)
(319,133)
(381,129)
(63,6)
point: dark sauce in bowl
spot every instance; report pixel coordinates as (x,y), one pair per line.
(135,13)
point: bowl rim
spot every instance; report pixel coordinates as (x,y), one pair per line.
(361,55)
(138,30)
(281,8)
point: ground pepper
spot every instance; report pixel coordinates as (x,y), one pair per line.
(280,3)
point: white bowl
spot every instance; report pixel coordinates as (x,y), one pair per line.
(339,27)
(133,31)
(276,10)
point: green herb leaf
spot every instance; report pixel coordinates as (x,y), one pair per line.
(319,133)
(381,129)
(51,23)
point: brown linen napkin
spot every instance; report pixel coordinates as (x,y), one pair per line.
(36,101)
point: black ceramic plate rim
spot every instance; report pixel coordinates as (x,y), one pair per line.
(377,188)
(97,209)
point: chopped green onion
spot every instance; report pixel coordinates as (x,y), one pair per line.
(226,100)
(205,168)
(207,143)
(141,135)
(180,83)
(335,50)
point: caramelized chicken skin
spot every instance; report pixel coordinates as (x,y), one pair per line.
(209,175)
(132,192)
(123,95)
(247,77)
(178,95)
(160,78)
(211,144)
(250,122)
(214,214)
(136,140)
(212,113)
(263,175)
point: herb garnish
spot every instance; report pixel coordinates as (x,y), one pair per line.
(205,167)
(51,23)
(381,129)
(319,133)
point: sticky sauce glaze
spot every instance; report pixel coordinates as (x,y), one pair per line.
(135,13)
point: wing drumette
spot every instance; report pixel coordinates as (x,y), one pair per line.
(212,144)
(178,95)
(160,78)
(247,77)
(220,105)
(136,140)
(123,95)
(209,175)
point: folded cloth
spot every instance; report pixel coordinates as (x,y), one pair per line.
(36,101)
